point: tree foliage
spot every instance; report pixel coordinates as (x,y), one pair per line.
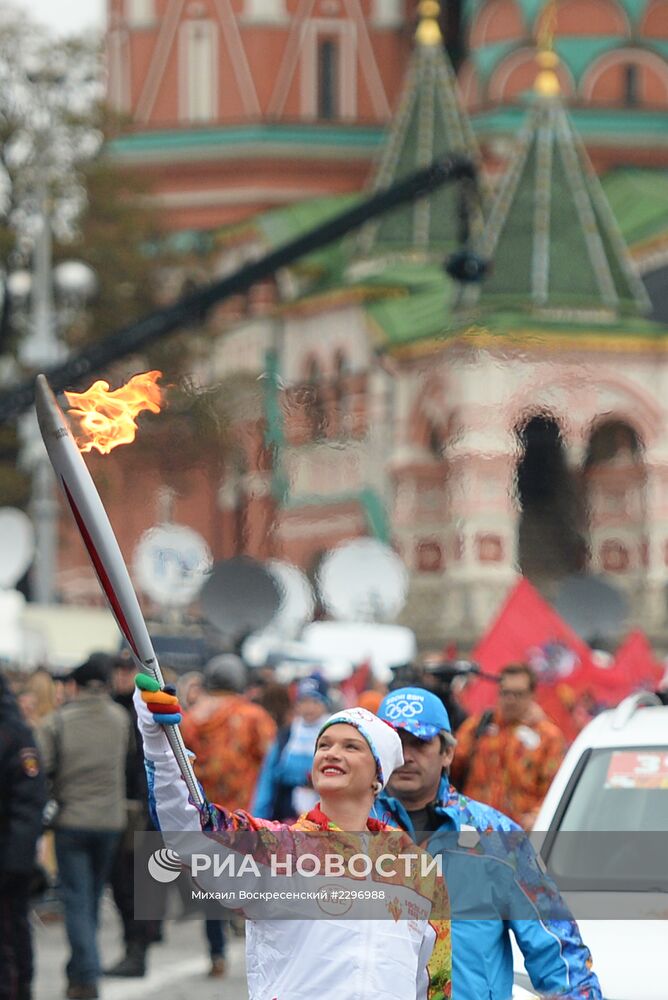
(53,125)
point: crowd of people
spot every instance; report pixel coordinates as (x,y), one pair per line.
(304,756)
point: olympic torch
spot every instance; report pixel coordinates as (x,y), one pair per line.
(100,541)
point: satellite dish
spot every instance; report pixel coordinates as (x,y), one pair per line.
(594,608)
(297,600)
(17,544)
(363,580)
(171,563)
(12,637)
(240,596)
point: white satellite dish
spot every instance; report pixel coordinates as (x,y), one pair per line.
(171,563)
(12,639)
(363,581)
(297,600)
(17,544)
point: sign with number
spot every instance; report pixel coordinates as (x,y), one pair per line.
(638,769)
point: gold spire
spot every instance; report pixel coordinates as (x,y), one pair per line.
(428,30)
(547,82)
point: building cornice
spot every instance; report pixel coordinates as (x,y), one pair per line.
(245,141)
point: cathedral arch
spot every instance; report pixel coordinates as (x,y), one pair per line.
(655,22)
(627,76)
(498,21)
(469,86)
(598,18)
(516,74)
(613,439)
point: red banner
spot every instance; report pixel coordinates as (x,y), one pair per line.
(636,667)
(528,630)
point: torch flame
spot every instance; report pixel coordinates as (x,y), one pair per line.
(105,419)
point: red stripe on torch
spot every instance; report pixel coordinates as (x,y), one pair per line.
(101,571)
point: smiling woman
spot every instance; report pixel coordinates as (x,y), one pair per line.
(303,953)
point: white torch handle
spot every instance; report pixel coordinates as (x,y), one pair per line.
(100,541)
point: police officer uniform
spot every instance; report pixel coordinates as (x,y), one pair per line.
(22,801)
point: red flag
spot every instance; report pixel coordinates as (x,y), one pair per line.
(528,630)
(352,687)
(636,667)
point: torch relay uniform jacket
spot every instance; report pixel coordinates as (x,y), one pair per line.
(295,959)
(492,871)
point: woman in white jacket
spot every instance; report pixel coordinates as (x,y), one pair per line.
(331,959)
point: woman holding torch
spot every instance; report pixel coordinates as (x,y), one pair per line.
(290,959)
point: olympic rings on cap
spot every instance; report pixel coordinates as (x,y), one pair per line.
(405,708)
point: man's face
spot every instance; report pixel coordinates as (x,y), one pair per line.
(310,709)
(515,697)
(420,774)
(123,679)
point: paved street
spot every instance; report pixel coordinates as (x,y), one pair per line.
(177,967)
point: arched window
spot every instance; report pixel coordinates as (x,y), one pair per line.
(198,57)
(627,77)
(341,393)
(552,523)
(328,79)
(314,399)
(613,441)
(615,481)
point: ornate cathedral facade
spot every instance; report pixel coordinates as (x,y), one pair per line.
(518,425)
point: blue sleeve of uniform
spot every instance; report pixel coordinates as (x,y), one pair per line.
(556,958)
(265,790)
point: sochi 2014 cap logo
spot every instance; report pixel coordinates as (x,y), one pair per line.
(164,865)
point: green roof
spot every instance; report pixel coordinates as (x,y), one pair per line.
(639,200)
(551,234)
(423,323)
(286,223)
(420,316)
(428,124)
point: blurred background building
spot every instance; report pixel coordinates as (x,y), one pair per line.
(516,426)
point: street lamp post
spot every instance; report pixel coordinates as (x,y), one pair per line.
(42,315)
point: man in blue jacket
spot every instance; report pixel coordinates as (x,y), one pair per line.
(494,880)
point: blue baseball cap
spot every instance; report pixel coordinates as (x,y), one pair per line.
(418,711)
(314,686)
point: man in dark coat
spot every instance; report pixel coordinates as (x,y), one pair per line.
(22,801)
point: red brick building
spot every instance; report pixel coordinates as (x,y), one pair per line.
(390,402)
